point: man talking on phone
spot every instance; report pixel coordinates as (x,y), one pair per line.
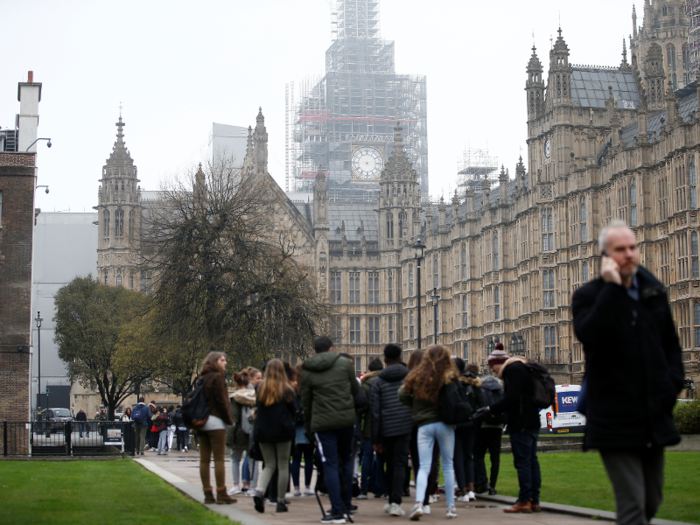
(634,373)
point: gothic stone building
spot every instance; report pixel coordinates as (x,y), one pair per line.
(504,263)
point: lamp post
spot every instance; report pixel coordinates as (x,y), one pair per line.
(418,249)
(38,336)
(517,345)
(435,297)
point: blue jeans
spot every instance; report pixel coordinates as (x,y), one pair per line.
(372,478)
(445,436)
(84,426)
(524,447)
(162,441)
(335,446)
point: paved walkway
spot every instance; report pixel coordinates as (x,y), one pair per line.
(182,471)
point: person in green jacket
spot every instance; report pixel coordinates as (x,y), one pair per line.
(328,388)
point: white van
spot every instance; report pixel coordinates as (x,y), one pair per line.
(563,418)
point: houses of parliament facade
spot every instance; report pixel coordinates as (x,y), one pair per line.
(502,257)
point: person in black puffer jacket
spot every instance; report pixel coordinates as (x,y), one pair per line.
(465,434)
(392,422)
(274,430)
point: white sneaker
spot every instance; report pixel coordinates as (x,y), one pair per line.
(250,492)
(426,510)
(234,490)
(463,498)
(308,491)
(433,498)
(387,508)
(471,495)
(451,512)
(396,510)
(297,493)
(416,512)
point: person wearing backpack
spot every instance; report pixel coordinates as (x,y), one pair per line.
(421,391)
(367,478)
(172,428)
(488,437)
(238,436)
(523,425)
(466,433)
(141,414)
(212,435)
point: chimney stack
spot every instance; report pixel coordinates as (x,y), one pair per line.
(29,96)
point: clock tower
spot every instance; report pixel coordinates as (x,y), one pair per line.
(367,163)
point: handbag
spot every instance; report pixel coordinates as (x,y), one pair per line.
(254,451)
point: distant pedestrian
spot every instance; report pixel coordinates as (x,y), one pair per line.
(629,337)
(183,433)
(465,434)
(141,414)
(161,424)
(420,390)
(83,424)
(212,435)
(126,416)
(172,428)
(238,435)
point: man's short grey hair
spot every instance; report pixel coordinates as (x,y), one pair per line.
(603,237)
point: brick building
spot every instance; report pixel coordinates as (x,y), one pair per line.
(17,186)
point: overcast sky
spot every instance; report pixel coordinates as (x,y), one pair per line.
(179,66)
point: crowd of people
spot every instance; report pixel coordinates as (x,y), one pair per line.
(367,436)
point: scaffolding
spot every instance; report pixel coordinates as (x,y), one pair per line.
(476,164)
(356,103)
(692,15)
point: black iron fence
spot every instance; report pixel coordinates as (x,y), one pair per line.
(72,438)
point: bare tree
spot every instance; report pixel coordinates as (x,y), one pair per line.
(224,275)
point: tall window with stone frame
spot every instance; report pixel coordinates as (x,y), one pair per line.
(131,282)
(679,172)
(465,352)
(683,318)
(335,287)
(671,63)
(633,202)
(495,251)
(584,272)
(410,280)
(0,209)
(696,323)
(622,200)
(410,326)
(391,287)
(119,279)
(682,252)
(389,226)
(373,329)
(373,288)
(464,261)
(132,223)
(694,254)
(584,229)
(106,276)
(663,198)
(355,330)
(465,312)
(119,223)
(436,280)
(105,220)
(496,303)
(692,184)
(547,230)
(664,270)
(354,288)
(550,344)
(548,288)
(336,330)
(391,328)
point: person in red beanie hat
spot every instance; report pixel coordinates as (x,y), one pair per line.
(523,425)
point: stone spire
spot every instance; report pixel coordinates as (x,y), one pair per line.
(260,144)
(321,200)
(398,167)
(624,64)
(534,86)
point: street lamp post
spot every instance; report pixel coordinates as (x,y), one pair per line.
(435,297)
(38,336)
(418,249)
(517,345)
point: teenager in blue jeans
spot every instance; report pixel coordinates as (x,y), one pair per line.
(420,390)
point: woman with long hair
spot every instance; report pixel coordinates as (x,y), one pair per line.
(421,390)
(274,431)
(126,416)
(238,436)
(212,435)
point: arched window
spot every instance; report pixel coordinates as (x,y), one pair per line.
(464,261)
(685,58)
(119,223)
(435,272)
(119,279)
(665,11)
(584,229)
(465,315)
(410,325)
(584,271)
(496,303)
(550,344)
(410,280)
(389,226)
(495,251)
(547,230)
(694,254)
(105,220)
(548,288)
(391,288)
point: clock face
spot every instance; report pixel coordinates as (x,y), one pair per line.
(547,148)
(367,163)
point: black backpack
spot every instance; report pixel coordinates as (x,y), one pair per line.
(490,396)
(195,411)
(454,404)
(545,391)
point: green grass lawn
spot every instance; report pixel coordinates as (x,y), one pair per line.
(114,492)
(578,478)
